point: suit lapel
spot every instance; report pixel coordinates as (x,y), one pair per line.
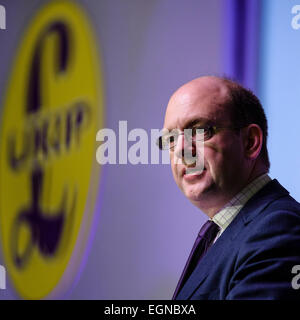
(206,263)
(273,190)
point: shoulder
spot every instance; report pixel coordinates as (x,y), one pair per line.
(267,247)
(276,229)
(281,215)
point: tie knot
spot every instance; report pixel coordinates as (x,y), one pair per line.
(209,230)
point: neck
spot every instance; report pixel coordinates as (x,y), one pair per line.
(214,205)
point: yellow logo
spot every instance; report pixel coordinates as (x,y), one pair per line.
(48,173)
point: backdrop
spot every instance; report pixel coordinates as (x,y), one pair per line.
(143,228)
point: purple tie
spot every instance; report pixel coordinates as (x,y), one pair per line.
(203,241)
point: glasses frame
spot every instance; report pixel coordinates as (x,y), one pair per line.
(211,129)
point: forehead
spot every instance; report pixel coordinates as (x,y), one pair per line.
(205,102)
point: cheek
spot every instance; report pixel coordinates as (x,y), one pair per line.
(218,161)
(214,158)
(176,173)
(173,168)
(224,160)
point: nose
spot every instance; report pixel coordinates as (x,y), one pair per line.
(185,150)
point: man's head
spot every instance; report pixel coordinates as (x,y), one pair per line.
(235,152)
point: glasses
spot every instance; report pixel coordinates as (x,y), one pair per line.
(168,140)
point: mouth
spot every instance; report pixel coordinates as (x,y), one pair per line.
(191,174)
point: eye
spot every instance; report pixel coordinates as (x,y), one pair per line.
(172,139)
(199,130)
(168,140)
(194,130)
(208,132)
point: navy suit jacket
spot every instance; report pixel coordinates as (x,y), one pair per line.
(254,257)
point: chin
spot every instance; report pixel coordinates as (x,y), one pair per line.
(200,190)
(195,193)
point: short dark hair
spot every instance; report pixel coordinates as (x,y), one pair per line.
(246,109)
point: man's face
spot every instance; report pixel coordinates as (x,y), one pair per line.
(224,162)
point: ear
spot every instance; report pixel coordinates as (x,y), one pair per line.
(253,140)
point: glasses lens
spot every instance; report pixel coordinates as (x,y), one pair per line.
(188,134)
(168,140)
(199,133)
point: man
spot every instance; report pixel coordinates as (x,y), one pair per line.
(253,242)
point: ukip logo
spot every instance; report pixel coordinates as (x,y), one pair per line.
(45,232)
(48,172)
(45,229)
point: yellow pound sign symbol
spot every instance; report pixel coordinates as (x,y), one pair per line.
(51,114)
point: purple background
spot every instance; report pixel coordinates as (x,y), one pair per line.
(144,227)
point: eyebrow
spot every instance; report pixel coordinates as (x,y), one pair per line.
(193,122)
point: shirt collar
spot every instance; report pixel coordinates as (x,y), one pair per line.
(224,217)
